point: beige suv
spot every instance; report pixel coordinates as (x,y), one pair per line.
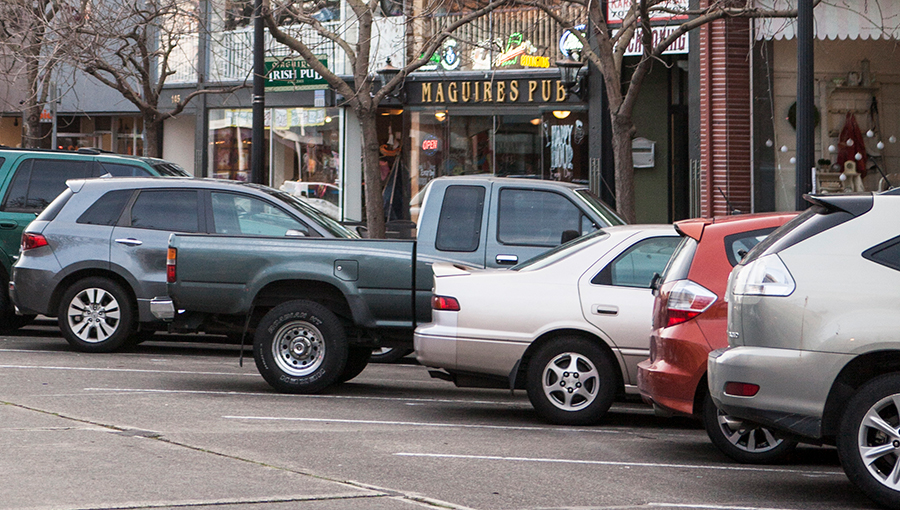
(814,336)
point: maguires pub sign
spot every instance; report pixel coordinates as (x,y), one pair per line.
(474,92)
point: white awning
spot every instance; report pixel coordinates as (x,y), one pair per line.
(835,19)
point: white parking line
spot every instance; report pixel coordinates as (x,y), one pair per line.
(422,424)
(132,370)
(711,507)
(326,397)
(623,464)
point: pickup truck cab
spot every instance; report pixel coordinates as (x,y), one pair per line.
(318,307)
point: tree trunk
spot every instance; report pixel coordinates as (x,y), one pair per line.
(152,130)
(372,173)
(622,132)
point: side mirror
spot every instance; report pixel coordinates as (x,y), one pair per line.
(654,283)
(568,235)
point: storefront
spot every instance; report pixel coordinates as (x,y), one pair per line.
(857,99)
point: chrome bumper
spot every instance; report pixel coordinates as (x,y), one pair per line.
(162,308)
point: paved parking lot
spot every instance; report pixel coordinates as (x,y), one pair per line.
(172,425)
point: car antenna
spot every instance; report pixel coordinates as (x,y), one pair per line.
(731,209)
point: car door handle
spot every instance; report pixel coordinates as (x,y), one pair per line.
(130,242)
(8,225)
(507,259)
(605,310)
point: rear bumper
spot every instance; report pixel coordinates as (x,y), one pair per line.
(793,386)
(434,347)
(671,380)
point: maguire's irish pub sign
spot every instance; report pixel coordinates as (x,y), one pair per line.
(486,91)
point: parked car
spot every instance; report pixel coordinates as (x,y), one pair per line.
(813,336)
(689,321)
(96,257)
(31,178)
(371,293)
(568,326)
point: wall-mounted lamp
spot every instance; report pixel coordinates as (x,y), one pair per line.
(386,74)
(572,76)
(440,115)
(561,114)
(535,121)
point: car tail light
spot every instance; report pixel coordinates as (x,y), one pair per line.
(765,276)
(687,300)
(32,241)
(445,303)
(170,265)
(740,389)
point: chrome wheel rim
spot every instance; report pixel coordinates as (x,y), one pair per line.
(879,441)
(93,315)
(299,348)
(745,437)
(570,381)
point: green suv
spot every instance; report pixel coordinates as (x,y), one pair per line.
(31,178)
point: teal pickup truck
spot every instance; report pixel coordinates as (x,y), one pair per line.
(318,307)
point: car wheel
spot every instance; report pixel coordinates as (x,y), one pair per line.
(389,354)
(743,442)
(868,440)
(300,347)
(357,359)
(96,315)
(571,381)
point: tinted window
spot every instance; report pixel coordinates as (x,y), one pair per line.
(235,214)
(166,210)
(535,218)
(38,181)
(810,222)
(119,170)
(53,209)
(167,169)
(737,246)
(636,266)
(886,253)
(107,209)
(459,226)
(680,264)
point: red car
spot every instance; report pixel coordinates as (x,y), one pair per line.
(689,321)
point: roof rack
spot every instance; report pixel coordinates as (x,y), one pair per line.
(80,150)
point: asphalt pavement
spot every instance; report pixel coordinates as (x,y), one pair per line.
(180,424)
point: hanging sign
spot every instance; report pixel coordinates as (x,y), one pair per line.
(293,74)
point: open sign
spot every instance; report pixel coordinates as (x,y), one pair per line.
(430,145)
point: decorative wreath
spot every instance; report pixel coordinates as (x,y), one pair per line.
(792,115)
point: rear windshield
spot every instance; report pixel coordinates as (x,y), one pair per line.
(680,264)
(53,209)
(810,222)
(314,215)
(560,252)
(168,169)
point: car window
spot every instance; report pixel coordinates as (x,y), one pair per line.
(535,218)
(107,209)
(38,181)
(169,169)
(560,252)
(172,210)
(235,214)
(600,207)
(886,253)
(637,265)
(120,170)
(739,245)
(459,225)
(680,264)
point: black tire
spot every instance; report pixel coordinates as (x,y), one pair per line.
(357,360)
(300,347)
(96,315)
(571,381)
(871,422)
(752,444)
(389,354)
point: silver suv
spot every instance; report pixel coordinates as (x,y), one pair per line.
(814,336)
(96,257)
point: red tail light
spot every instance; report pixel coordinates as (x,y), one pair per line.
(170,265)
(32,241)
(740,389)
(687,300)
(445,303)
